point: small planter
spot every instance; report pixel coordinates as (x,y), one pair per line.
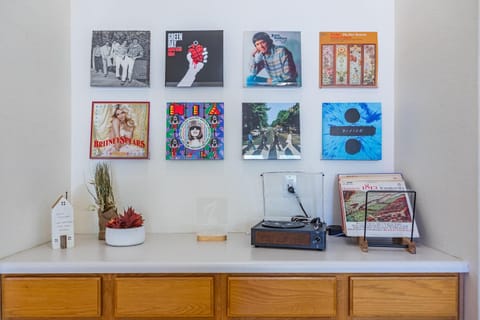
(124,237)
(103,218)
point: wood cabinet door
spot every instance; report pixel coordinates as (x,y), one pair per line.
(164,296)
(281,297)
(404,296)
(51,297)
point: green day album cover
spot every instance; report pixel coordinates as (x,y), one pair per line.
(194,58)
(195,131)
(271,131)
(272,59)
(352,131)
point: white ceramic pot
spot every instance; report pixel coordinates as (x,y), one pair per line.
(124,237)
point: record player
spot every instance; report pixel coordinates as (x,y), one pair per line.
(293,211)
(285,234)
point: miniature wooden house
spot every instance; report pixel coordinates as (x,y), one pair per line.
(62,224)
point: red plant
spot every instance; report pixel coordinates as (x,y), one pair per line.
(129,219)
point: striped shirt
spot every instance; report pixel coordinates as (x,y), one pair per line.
(279,64)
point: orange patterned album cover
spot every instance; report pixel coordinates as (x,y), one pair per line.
(348,59)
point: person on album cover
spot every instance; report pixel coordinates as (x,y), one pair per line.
(277,61)
(97,64)
(288,142)
(250,144)
(121,131)
(105,51)
(134,51)
(174,146)
(276,142)
(263,142)
(195,136)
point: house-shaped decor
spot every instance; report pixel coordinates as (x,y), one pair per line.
(62,224)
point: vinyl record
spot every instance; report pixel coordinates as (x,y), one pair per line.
(283,224)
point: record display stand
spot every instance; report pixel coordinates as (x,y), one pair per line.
(395,242)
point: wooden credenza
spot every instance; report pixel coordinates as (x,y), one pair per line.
(231,296)
(175,277)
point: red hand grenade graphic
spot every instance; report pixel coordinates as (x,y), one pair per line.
(196,51)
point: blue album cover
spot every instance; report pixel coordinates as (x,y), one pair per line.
(352,131)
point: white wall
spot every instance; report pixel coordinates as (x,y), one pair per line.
(436,124)
(436,112)
(167,191)
(35,113)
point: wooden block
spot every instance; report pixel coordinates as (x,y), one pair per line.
(206,237)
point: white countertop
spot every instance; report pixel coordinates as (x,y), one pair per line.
(182,253)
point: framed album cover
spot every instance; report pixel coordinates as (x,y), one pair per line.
(352,131)
(348,59)
(120,59)
(272,59)
(195,131)
(119,130)
(194,58)
(271,131)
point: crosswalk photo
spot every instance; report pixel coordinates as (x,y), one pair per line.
(271,131)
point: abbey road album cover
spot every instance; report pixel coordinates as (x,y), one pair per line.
(194,131)
(194,58)
(352,131)
(271,131)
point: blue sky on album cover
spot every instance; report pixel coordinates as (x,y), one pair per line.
(352,131)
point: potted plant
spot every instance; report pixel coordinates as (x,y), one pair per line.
(126,229)
(103,196)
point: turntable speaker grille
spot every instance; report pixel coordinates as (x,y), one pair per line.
(279,237)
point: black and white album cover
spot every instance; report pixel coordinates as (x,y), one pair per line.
(120,59)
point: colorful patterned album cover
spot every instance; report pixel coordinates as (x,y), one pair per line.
(120,59)
(352,131)
(195,131)
(271,131)
(194,58)
(348,59)
(272,59)
(119,130)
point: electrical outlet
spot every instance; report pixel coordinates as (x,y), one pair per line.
(290,181)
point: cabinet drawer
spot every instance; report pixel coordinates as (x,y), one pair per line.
(281,296)
(51,296)
(164,296)
(404,296)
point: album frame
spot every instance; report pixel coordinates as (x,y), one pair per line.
(348,59)
(119,130)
